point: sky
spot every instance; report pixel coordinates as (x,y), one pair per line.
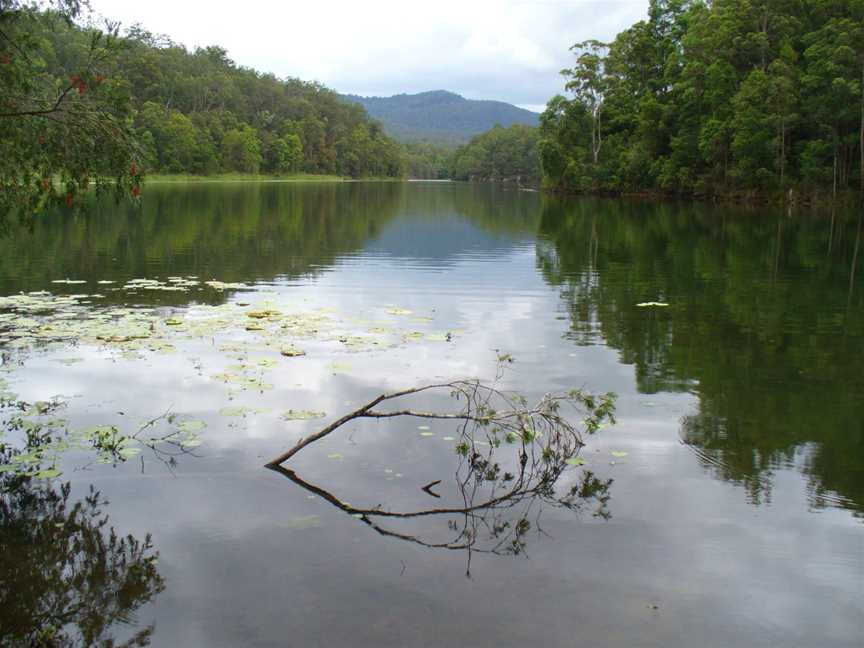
(508,50)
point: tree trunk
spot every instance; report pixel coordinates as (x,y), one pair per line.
(861,132)
(782,150)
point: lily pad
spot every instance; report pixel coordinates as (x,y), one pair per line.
(48,473)
(302,415)
(191,425)
(292,352)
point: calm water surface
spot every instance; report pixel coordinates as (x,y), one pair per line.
(734,511)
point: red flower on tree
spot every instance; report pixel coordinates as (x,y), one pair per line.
(79,85)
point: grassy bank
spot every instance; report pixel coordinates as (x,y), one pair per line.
(242,177)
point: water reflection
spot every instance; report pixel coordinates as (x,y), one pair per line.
(511,457)
(763,326)
(485,523)
(68,578)
(240,232)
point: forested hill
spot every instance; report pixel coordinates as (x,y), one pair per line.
(198,112)
(155,105)
(441,116)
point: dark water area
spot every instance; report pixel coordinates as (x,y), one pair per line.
(724,508)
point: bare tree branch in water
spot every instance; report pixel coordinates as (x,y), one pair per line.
(511,456)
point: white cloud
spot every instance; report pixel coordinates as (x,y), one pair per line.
(507,50)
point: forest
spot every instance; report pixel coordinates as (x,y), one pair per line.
(721,97)
(84,104)
(499,154)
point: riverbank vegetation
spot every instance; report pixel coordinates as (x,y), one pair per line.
(722,97)
(87,105)
(500,154)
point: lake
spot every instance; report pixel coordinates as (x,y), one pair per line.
(161,355)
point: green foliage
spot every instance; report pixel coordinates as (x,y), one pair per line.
(80,106)
(65,118)
(204,114)
(499,154)
(429,161)
(715,97)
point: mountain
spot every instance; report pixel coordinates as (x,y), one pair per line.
(441,116)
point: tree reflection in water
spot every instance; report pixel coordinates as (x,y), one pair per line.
(511,461)
(66,577)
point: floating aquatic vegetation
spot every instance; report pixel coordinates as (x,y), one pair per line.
(242,411)
(291,352)
(254,334)
(41,438)
(220,285)
(301,415)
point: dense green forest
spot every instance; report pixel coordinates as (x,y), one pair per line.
(428,160)
(499,154)
(198,112)
(712,97)
(83,104)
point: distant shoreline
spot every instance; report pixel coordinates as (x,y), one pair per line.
(180,178)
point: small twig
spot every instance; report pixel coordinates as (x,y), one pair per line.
(428,488)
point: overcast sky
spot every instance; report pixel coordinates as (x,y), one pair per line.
(508,50)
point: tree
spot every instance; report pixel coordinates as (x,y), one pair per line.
(707,97)
(284,154)
(241,150)
(64,113)
(499,154)
(588,83)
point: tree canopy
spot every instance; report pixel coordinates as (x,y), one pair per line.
(499,154)
(83,105)
(65,114)
(715,97)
